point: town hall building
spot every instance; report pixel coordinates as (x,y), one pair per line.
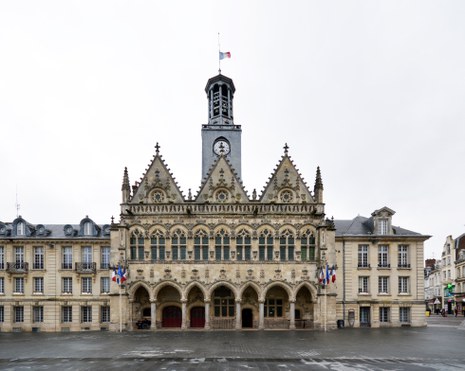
(217,259)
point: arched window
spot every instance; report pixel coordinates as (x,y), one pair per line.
(265,245)
(223,302)
(201,245)
(87,229)
(243,245)
(178,245)
(157,246)
(20,229)
(222,245)
(307,246)
(137,245)
(286,246)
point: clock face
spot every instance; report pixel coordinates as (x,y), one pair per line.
(221,147)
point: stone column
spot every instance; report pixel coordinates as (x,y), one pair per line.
(184,311)
(292,315)
(207,315)
(261,315)
(238,314)
(130,320)
(153,314)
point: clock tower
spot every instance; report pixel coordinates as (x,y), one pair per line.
(220,136)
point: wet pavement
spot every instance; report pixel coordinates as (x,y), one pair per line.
(436,347)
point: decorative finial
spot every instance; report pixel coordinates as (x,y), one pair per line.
(254,194)
(112,219)
(157,148)
(189,196)
(286,148)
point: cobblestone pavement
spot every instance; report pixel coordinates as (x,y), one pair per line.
(437,347)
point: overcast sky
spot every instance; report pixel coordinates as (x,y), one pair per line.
(373,92)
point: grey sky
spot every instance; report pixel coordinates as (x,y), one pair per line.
(371,91)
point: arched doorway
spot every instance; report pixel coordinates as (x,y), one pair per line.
(247,318)
(223,308)
(304,308)
(276,308)
(172,316)
(197,316)
(141,307)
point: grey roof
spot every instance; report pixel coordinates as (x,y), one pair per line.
(362,226)
(57,231)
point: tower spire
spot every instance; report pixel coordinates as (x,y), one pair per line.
(125,188)
(318,188)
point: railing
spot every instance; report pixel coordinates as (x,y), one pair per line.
(384,265)
(222,323)
(405,265)
(86,267)
(67,265)
(363,265)
(17,267)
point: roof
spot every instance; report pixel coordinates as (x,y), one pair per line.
(362,226)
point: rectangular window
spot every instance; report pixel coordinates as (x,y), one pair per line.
(86,283)
(38,285)
(404,315)
(104,314)
(87,257)
(383,226)
(404,285)
(363,285)
(226,253)
(18,313)
(2,285)
(243,244)
(307,247)
(261,253)
(37,314)
(2,258)
(67,285)
(2,314)
(105,257)
(174,252)
(247,253)
(19,256)
(157,246)
(383,256)
(67,314)
(217,253)
(282,253)
(265,246)
(38,257)
(402,256)
(274,307)
(105,285)
(383,285)
(67,257)
(384,314)
(18,285)
(86,314)
(363,256)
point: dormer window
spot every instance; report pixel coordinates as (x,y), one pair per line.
(87,229)
(20,229)
(383,226)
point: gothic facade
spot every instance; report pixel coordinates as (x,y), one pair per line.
(219,259)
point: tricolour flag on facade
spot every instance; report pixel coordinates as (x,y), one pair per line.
(224,55)
(333,274)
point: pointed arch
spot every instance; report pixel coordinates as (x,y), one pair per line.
(229,285)
(310,286)
(193,284)
(164,284)
(251,284)
(283,285)
(138,284)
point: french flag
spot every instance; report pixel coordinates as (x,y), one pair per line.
(225,55)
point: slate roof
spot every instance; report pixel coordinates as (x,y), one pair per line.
(362,226)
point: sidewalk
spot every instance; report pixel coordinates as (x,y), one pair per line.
(449,321)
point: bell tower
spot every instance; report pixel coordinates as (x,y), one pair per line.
(220,136)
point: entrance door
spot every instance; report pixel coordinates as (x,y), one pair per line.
(172,317)
(247,318)
(364,316)
(198,317)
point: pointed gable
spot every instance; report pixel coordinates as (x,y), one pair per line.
(221,185)
(157,185)
(286,185)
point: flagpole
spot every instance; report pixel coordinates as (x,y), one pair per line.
(219,51)
(120,309)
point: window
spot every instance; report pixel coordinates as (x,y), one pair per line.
(243,245)
(105,285)
(38,285)
(404,285)
(86,314)
(2,258)
(88,229)
(86,257)
(383,285)
(265,245)
(273,307)
(38,257)
(307,246)
(222,245)
(18,285)
(223,302)
(201,245)
(104,313)
(383,255)
(18,314)
(402,256)
(363,256)
(67,255)
(2,285)
(67,314)
(86,285)
(37,314)
(178,246)
(363,285)
(404,315)
(2,314)
(105,257)
(67,285)
(20,229)
(157,246)
(137,246)
(286,246)
(19,256)
(384,314)
(383,226)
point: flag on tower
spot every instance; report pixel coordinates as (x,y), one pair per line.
(225,55)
